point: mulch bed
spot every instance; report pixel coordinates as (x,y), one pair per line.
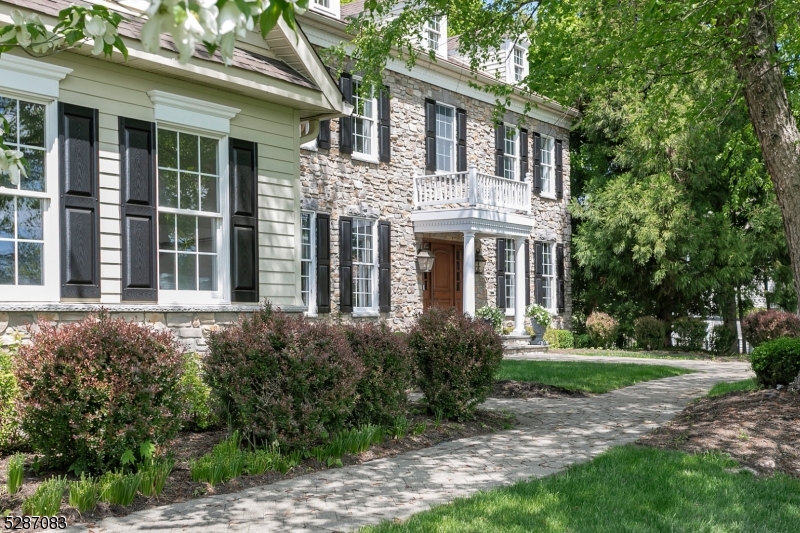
(180,487)
(760,429)
(509,388)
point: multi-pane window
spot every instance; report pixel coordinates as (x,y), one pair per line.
(433,34)
(548,164)
(445,138)
(364,120)
(519,64)
(510,269)
(306,257)
(189,215)
(548,276)
(363,263)
(511,150)
(21,216)
(323,3)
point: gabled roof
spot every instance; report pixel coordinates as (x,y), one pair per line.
(352,9)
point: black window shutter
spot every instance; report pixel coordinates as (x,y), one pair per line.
(500,260)
(384,126)
(384,267)
(559,170)
(537,163)
(461,140)
(499,148)
(323,263)
(137,158)
(346,123)
(244,221)
(560,277)
(527,272)
(537,271)
(345,264)
(79,182)
(430,135)
(324,135)
(523,154)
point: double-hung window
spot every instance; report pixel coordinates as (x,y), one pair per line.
(364,119)
(445,138)
(364,251)
(519,64)
(510,270)
(307,261)
(190,216)
(511,153)
(548,276)
(26,204)
(433,34)
(548,165)
(323,3)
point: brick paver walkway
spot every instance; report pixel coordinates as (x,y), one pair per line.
(553,433)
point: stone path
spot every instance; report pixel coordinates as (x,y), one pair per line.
(553,433)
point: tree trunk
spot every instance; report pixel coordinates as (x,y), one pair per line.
(773,121)
(726,301)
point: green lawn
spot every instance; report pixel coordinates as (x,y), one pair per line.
(637,354)
(587,377)
(627,489)
(723,388)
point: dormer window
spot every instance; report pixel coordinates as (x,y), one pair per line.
(433,34)
(519,64)
(323,3)
(327,7)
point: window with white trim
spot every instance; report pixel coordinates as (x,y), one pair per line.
(548,165)
(23,204)
(364,118)
(548,276)
(323,3)
(364,265)
(433,34)
(511,153)
(308,260)
(445,138)
(510,270)
(519,63)
(190,213)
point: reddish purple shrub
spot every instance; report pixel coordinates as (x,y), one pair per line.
(457,359)
(283,378)
(88,391)
(768,325)
(382,389)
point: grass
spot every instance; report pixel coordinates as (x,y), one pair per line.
(586,377)
(626,489)
(724,388)
(637,354)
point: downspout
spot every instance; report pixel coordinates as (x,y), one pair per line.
(313,131)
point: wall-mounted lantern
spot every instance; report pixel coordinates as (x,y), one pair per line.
(480,262)
(425,258)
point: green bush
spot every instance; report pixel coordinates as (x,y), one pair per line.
(776,362)
(649,333)
(10,436)
(723,340)
(457,358)
(602,329)
(382,389)
(284,378)
(199,410)
(494,315)
(691,333)
(91,390)
(582,340)
(559,338)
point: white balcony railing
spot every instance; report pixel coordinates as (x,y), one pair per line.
(473,188)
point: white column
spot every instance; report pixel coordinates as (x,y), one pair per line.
(468,271)
(519,287)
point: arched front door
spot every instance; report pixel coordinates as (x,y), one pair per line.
(443,283)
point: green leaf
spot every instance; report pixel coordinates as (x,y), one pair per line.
(127,458)
(269,18)
(147,449)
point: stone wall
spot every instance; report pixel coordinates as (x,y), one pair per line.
(333,182)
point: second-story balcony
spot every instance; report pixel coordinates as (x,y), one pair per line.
(472,189)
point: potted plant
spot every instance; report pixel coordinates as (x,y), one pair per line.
(540,319)
(493,316)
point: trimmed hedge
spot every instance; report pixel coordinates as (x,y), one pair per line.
(768,325)
(649,333)
(559,338)
(776,362)
(457,358)
(602,329)
(93,389)
(284,378)
(691,333)
(722,340)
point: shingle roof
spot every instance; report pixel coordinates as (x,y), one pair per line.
(352,9)
(243,59)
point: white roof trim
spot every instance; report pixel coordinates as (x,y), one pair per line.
(34,77)
(196,114)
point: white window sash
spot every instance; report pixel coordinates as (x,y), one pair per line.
(548,169)
(548,279)
(312,273)
(374,273)
(448,143)
(509,262)
(513,157)
(373,133)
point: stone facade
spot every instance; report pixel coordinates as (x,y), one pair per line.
(335,182)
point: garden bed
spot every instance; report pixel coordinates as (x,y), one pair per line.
(760,429)
(180,487)
(509,388)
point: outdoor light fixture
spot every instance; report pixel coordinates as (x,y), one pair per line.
(480,261)
(425,258)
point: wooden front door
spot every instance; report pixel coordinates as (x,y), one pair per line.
(443,283)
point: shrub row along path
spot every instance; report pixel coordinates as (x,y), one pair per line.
(552,434)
